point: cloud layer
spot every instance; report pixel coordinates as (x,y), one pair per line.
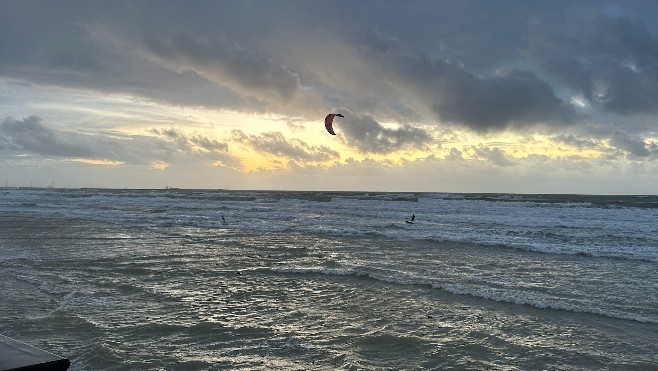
(275,144)
(367,135)
(31,137)
(583,74)
(514,69)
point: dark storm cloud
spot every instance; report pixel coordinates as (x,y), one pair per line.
(463,76)
(485,66)
(101,46)
(509,99)
(42,35)
(612,61)
(274,143)
(31,137)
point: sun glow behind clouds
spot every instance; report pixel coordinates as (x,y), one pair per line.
(98,162)
(69,108)
(131,115)
(127,116)
(159,165)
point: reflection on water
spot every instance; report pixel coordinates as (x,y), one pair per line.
(180,291)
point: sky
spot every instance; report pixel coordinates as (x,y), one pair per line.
(438,96)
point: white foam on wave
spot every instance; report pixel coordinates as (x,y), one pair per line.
(533,299)
(555,228)
(542,302)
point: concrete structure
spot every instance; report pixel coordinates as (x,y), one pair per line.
(15,355)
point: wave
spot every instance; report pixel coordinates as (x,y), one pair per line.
(482,292)
(637,248)
(551,224)
(638,253)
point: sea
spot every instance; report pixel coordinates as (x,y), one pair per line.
(174,279)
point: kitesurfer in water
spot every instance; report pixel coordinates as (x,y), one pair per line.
(413,217)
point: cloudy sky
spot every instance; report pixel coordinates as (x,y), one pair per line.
(447,96)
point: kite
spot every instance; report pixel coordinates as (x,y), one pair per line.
(329,120)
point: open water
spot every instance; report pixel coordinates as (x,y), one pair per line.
(154,279)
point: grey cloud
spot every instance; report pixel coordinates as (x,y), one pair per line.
(580,143)
(512,98)
(454,155)
(234,46)
(536,158)
(208,144)
(191,143)
(616,144)
(43,34)
(612,61)
(373,39)
(493,154)
(276,144)
(636,147)
(225,63)
(92,45)
(384,58)
(369,136)
(31,137)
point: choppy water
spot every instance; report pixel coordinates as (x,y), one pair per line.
(153,279)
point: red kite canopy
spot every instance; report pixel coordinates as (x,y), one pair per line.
(329,120)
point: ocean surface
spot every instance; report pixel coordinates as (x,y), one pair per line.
(157,280)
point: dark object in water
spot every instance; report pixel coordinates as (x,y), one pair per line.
(413,217)
(15,355)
